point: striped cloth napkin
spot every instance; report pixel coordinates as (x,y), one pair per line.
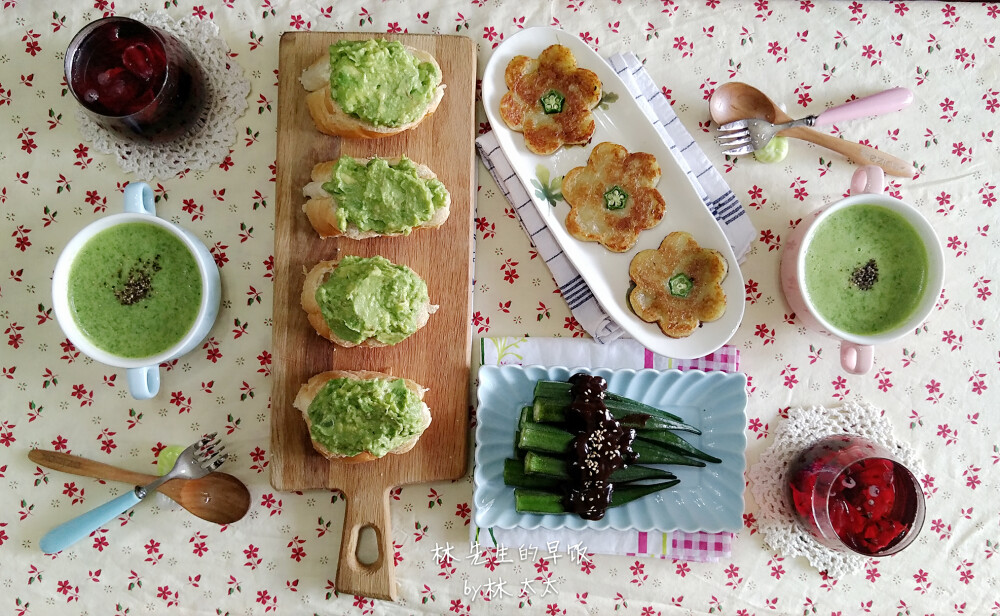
(712,189)
(617,354)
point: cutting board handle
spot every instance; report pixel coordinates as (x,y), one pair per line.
(367,507)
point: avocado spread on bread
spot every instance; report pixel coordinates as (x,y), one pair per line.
(380,82)
(349,416)
(377,196)
(371,297)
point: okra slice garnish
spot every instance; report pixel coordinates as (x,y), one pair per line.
(680,285)
(615,198)
(552,102)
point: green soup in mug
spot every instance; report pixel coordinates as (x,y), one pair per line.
(866,269)
(134,290)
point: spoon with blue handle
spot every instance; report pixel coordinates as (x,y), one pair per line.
(198,460)
(217,497)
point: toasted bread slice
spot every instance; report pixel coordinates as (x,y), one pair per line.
(309,390)
(316,277)
(331,119)
(321,207)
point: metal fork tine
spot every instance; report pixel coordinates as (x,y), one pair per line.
(733,135)
(214,466)
(208,464)
(208,455)
(211,445)
(745,149)
(737,125)
(206,440)
(204,459)
(735,140)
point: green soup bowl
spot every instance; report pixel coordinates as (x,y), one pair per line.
(133,291)
(867,270)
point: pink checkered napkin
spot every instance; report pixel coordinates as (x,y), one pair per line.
(614,355)
(708,547)
(698,546)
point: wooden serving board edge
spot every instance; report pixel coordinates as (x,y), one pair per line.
(294,464)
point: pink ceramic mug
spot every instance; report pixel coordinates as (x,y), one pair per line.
(856,350)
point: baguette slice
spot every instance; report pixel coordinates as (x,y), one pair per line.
(316,277)
(308,391)
(321,206)
(331,119)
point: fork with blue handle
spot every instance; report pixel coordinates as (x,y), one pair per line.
(198,460)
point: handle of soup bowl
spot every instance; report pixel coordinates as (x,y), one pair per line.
(868,179)
(139,199)
(143,383)
(856,358)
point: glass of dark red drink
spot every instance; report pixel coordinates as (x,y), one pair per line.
(852,494)
(135,79)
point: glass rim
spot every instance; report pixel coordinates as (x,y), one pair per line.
(821,526)
(90,29)
(915,525)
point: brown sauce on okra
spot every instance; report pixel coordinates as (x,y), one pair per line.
(601,447)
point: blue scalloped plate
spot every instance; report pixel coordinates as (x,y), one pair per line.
(707,499)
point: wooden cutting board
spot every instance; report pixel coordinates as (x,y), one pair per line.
(437,356)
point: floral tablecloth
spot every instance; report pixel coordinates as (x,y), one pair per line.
(938,385)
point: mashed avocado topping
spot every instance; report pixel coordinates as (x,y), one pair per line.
(349,416)
(380,82)
(371,297)
(383,198)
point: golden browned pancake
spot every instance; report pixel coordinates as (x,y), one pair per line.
(679,264)
(550,100)
(614,197)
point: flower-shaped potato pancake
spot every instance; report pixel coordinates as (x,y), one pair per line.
(614,197)
(550,100)
(678,285)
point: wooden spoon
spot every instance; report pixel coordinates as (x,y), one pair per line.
(216,497)
(738,101)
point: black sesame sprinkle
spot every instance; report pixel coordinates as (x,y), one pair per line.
(137,284)
(865,276)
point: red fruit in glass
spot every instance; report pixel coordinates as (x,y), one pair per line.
(850,493)
(135,80)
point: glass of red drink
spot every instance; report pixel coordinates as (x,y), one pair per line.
(135,80)
(852,494)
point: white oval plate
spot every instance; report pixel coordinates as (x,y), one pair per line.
(708,498)
(623,122)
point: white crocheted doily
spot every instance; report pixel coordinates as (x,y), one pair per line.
(803,427)
(209,142)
